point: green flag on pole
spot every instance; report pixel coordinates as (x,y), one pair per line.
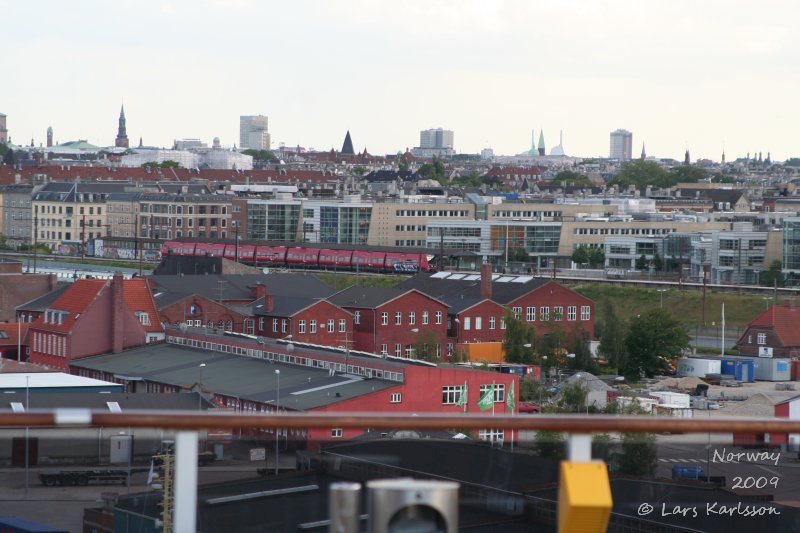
(510,399)
(462,398)
(487,400)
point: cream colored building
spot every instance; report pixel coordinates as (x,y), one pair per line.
(405,223)
(68,215)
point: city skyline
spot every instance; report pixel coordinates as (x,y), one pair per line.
(678,75)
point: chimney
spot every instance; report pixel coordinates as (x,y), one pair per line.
(257,291)
(117,318)
(486,281)
(52,280)
(268,303)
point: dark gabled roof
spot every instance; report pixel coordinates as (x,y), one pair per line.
(284,305)
(380,176)
(238,287)
(42,303)
(449,290)
(367,297)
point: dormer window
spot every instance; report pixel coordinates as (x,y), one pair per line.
(143,317)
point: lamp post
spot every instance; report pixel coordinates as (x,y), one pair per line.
(661,298)
(200,389)
(277,402)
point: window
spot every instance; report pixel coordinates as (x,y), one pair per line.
(412,318)
(342,325)
(478,322)
(572,313)
(274,325)
(558,313)
(357,318)
(331,325)
(384,349)
(396,397)
(301,326)
(283,326)
(585,312)
(492,322)
(261,324)
(229,325)
(499,391)
(530,314)
(761,338)
(502,323)
(466,323)
(249,326)
(517,312)
(210,324)
(438,317)
(398,350)
(384,318)
(424,318)
(221,325)
(197,323)
(544,314)
(312,326)
(336,433)
(491,435)
(398,318)
(451,394)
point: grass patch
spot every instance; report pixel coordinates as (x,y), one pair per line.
(342,281)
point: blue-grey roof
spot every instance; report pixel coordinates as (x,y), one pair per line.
(239,287)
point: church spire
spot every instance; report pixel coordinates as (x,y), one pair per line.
(541,142)
(644,154)
(122,136)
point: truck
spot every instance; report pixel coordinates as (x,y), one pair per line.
(83,477)
(696,473)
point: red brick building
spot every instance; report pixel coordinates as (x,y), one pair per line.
(395,321)
(17,288)
(198,311)
(777,328)
(94,317)
(478,304)
(308,320)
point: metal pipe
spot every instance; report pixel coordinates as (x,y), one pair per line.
(344,507)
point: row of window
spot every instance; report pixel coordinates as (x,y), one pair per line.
(623,231)
(50,344)
(409,227)
(179,209)
(558,313)
(451,394)
(432,213)
(412,318)
(312,326)
(409,350)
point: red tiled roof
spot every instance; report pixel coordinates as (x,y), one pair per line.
(75,300)
(784,321)
(139,297)
(10,330)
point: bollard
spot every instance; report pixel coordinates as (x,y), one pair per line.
(412,505)
(344,507)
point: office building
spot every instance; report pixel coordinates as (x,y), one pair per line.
(621,145)
(434,142)
(253,132)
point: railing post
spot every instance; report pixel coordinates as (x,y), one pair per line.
(185,514)
(579,448)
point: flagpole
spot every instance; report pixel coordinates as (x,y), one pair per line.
(722,342)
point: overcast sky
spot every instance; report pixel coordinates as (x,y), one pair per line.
(701,74)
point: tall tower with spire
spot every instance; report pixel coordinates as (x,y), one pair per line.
(49,136)
(122,136)
(541,142)
(347,147)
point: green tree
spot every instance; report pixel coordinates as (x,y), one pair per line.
(267,156)
(641,174)
(654,338)
(721,178)
(687,174)
(573,397)
(10,158)
(603,448)
(571,178)
(3,149)
(792,162)
(531,390)
(165,164)
(403,166)
(642,263)
(612,337)
(550,445)
(425,345)
(637,455)
(580,255)
(519,341)
(658,263)
(578,345)
(597,257)
(433,170)
(518,255)
(773,277)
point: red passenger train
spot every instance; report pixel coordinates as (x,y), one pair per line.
(306,256)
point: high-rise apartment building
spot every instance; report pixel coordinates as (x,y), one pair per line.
(3,130)
(253,132)
(436,138)
(621,145)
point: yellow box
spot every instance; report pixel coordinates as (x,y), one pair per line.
(584,497)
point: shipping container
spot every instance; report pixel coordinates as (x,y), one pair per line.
(740,369)
(672,398)
(795,372)
(767,368)
(697,367)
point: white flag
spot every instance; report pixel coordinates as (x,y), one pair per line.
(152,474)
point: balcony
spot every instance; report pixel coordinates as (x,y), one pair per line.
(696,479)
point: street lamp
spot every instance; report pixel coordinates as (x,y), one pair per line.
(661,298)
(277,402)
